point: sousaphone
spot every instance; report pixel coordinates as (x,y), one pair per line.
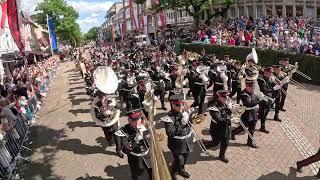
(107,82)
(105,79)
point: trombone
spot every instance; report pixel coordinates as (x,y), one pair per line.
(197,138)
(237,111)
(199,141)
(278,82)
(304,75)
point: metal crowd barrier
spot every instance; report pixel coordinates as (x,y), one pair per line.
(12,143)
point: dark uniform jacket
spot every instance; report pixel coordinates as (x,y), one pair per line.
(180,137)
(251,102)
(233,74)
(156,77)
(221,120)
(266,86)
(137,152)
(217,81)
(196,79)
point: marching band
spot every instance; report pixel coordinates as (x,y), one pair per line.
(140,77)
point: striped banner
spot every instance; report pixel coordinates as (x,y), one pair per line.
(14,21)
(133,15)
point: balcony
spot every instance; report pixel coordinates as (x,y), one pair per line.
(170,21)
(185,20)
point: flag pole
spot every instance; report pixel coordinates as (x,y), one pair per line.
(49,35)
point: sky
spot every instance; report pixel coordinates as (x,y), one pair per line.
(91,12)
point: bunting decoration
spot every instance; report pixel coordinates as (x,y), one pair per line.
(133,15)
(14,21)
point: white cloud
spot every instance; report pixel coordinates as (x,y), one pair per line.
(29,6)
(91,13)
(84,7)
(88,22)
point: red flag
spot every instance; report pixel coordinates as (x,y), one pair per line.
(133,15)
(3,15)
(14,21)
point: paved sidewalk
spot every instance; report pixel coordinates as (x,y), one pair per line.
(67,144)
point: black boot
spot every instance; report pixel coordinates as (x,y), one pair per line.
(119,154)
(250,144)
(299,168)
(264,130)
(233,137)
(174,171)
(184,173)
(189,93)
(276,118)
(222,154)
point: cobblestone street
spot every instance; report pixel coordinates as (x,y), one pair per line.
(67,144)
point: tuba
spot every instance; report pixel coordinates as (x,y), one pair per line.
(221,70)
(180,81)
(107,82)
(105,79)
(203,71)
(249,71)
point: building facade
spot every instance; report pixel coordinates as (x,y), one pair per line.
(263,8)
(179,19)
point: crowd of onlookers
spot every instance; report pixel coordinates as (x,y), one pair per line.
(287,34)
(23,92)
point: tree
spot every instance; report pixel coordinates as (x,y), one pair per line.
(194,8)
(92,34)
(65,16)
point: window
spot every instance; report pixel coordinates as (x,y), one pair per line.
(241,11)
(233,12)
(250,11)
(260,12)
(269,10)
(279,11)
(310,11)
(299,11)
(318,12)
(289,11)
(215,11)
(203,15)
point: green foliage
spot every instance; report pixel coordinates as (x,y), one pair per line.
(308,64)
(195,8)
(92,34)
(65,16)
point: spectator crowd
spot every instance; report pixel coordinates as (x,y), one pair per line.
(21,95)
(285,34)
